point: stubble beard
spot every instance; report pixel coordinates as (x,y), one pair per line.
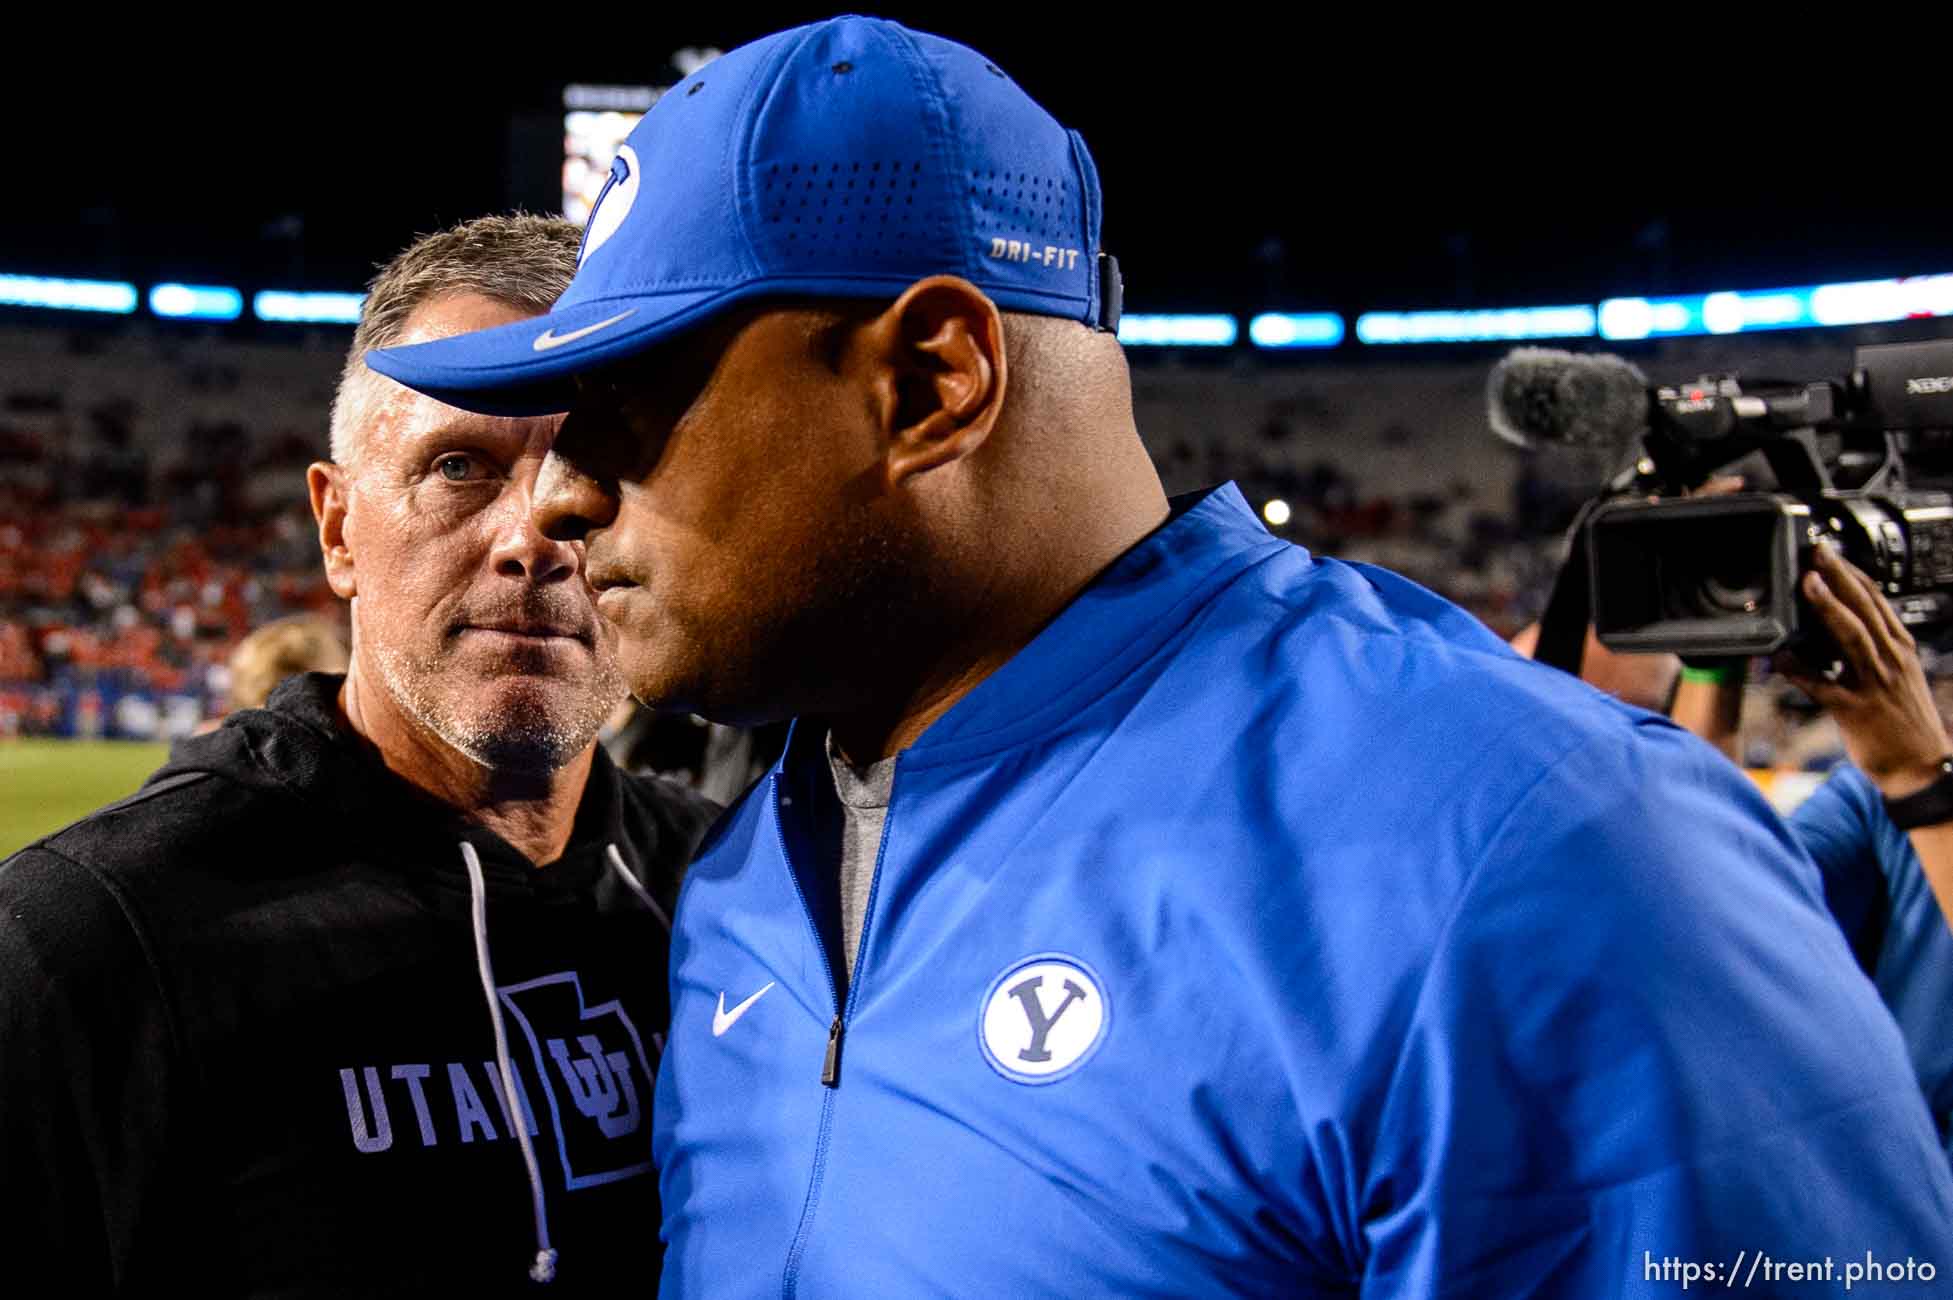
(524,730)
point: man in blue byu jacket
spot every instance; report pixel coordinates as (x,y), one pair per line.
(1141,906)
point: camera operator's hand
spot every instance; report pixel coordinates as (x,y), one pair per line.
(1881,703)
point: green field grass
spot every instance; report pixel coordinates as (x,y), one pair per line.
(45,784)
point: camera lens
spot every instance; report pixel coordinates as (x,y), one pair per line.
(1710,577)
(1738,591)
(1715,584)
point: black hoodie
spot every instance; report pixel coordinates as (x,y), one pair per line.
(245,1046)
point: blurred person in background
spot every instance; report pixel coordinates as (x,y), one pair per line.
(302,643)
(285,647)
(1141,905)
(364,993)
(1881,828)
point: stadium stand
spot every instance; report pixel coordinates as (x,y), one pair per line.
(152,497)
(152,511)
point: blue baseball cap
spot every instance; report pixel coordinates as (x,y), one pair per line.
(847,159)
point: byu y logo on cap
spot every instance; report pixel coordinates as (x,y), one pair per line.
(613,204)
(1043,1017)
(771,171)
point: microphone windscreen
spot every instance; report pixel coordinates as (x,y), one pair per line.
(1541,396)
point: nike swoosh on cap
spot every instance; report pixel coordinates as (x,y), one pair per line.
(549,339)
(723,1019)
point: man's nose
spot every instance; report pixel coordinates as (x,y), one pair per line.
(522,550)
(573,498)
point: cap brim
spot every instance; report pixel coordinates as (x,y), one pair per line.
(526,368)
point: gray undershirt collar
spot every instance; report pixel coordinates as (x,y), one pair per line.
(863,792)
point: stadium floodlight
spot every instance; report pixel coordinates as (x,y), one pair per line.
(1507,325)
(1723,312)
(196,301)
(1178,331)
(1861,302)
(1870,301)
(1273,329)
(67,295)
(1640,318)
(307,308)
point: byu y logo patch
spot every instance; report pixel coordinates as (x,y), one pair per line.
(613,204)
(1042,1018)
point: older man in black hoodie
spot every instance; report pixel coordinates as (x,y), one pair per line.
(364,993)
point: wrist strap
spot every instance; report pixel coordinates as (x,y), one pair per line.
(1719,675)
(1928,807)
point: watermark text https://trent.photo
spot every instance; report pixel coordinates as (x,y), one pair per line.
(1760,1268)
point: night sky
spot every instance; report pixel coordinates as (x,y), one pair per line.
(1247,164)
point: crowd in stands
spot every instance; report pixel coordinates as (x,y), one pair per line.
(125,588)
(148,523)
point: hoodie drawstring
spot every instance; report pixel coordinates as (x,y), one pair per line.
(637,887)
(644,896)
(544,1269)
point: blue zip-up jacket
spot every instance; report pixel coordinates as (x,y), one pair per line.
(1265,927)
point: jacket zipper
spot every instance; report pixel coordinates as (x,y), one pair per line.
(831,1068)
(831,1062)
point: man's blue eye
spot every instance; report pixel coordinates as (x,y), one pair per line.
(453,468)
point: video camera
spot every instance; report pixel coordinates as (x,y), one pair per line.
(1719,575)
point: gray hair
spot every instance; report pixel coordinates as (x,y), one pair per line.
(523,261)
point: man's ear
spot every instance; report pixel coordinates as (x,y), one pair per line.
(936,356)
(327,484)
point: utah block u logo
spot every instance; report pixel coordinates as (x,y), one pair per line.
(599,1084)
(595,1074)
